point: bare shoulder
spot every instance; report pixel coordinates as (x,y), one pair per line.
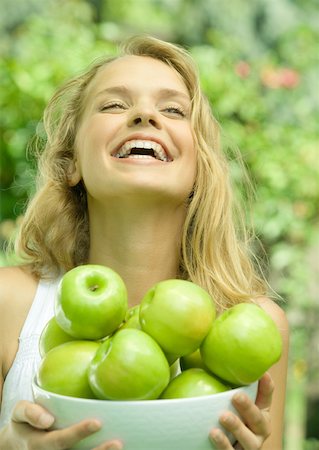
(278,373)
(15,283)
(17,291)
(14,272)
(276,313)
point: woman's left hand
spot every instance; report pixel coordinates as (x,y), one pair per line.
(254,427)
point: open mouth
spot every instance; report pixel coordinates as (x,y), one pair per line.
(140,149)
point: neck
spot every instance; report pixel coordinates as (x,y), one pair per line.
(141,244)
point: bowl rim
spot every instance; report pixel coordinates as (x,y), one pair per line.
(232,391)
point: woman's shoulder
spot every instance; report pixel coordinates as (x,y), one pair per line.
(276,312)
(17,289)
(15,280)
(19,271)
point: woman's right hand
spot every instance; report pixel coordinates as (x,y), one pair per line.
(29,429)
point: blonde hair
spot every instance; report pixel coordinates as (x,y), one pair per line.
(55,233)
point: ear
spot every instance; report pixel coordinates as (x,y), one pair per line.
(73,174)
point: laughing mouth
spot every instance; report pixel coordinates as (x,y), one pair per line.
(142,149)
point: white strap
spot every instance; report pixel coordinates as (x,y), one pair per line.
(42,308)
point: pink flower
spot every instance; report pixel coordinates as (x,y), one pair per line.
(289,78)
(242,69)
(280,78)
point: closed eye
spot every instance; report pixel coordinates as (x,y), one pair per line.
(113,106)
(175,110)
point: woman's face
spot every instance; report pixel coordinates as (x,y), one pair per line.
(135,135)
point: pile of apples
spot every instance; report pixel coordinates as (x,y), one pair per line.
(171,345)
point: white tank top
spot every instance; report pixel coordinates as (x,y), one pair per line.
(17,385)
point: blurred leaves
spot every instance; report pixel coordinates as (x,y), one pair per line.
(40,53)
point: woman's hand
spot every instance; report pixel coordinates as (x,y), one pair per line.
(253,429)
(29,429)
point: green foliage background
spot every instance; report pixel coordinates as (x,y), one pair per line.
(259,64)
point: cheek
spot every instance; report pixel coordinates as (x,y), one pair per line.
(183,137)
(90,144)
(189,166)
(97,136)
(187,142)
(91,135)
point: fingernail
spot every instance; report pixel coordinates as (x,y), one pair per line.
(239,399)
(94,426)
(227,420)
(46,420)
(115,447)
(216,436)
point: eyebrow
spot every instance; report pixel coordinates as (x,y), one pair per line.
(163,92)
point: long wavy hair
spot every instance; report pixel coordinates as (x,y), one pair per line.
(215,248)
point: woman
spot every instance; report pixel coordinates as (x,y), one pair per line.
(132,177)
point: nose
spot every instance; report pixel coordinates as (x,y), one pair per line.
(144,116)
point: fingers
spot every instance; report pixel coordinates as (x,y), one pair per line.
(248,439)
(256,419)
(253,426)
(67,437)
(37,417)
(219,440)
(64,439)
(265,391)
(32,414)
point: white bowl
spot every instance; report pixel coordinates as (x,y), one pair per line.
(178,424)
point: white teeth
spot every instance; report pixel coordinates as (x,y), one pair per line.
(125,150)
(126,147)
(140,157)
(139,144)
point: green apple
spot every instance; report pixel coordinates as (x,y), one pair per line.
(194,383)
(242,345)
(175,369)
(171,358)
(192,360)
(91,302)
(64,369)
(52,336)
(132,319)
(178,314)
(129,365)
